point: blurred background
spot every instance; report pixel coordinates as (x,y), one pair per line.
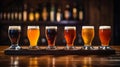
(84,12)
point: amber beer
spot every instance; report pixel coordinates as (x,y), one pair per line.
(70,35)
(51,33)
(33,34)
(14,36)
(105,35)
(87,35)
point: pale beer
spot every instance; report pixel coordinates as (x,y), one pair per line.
(87,35)
(33,34)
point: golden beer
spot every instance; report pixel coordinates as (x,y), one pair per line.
(87,34)
(33,34)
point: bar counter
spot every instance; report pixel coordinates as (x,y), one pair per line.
(60,60)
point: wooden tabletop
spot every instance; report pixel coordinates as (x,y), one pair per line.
(59,61)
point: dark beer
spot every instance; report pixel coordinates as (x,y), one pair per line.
(51,33)
(14,36)
(70,35)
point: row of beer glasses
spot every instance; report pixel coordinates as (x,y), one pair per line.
(33,34)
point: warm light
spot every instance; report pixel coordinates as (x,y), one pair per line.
(74,12)
(44,14)
(31,16)
(16,15)
(24,15)
(80,15)
(20,16)
(37,16)
(8,16)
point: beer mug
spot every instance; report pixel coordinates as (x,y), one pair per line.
(105,36)
(69,35)
(87,35)
(33,34)
(14,36)
(51,33)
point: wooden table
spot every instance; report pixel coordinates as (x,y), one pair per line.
(59,61)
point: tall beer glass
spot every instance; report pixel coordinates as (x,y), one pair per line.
(14,36)
(70,35)
(105,36)
(87,35)
(51,33)
(33,34)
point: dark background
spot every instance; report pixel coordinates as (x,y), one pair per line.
(96,12)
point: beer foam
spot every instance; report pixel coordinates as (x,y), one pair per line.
(14,27)
(51,27)
(104,27)
(70,27)
(88,27)
(33,27)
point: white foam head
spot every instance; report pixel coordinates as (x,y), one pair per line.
(104,27)
(14,27)
(87,27)
(33,27)
(51,27)
(70,27)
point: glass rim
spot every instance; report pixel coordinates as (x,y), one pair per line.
(88,27)
(70,27)
(36,27)
(15,27)
(104,27)
(51,27)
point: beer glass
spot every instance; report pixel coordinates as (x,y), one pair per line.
(14,36)
(105,36)
(87,35)
(51,33)
(33,34)
(69,35)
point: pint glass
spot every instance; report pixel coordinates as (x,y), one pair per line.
(51,33)
(105,36)
(70,35)
(33,34)
(87,35)
(14,36)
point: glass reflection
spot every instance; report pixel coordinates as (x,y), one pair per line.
(87,62)
(14,61)
(33,62)
(53,62)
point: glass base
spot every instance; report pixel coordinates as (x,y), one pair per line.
(105,48)
(51,48)
(15,47)
(69,48)
(87,48)
(33,47)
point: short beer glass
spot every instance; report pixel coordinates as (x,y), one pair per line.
(33,33)
(51,33)
(14,36)
(69,35)
(105,36)
(87,35)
